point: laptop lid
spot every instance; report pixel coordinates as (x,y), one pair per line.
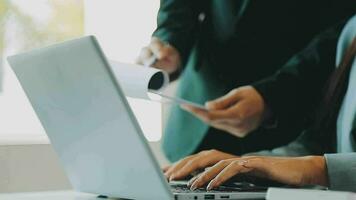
(88,120)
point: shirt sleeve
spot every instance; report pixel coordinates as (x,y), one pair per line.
(177,21)
(341,171)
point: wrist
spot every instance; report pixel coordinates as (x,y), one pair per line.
(319,169)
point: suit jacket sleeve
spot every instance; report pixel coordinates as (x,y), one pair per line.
(177,21)
(308,143)
(296,89)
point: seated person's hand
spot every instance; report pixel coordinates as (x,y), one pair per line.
(168,57)
(193,163)
(239,112)
(296,171)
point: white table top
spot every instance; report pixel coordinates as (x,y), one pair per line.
(274,194)
(50,195)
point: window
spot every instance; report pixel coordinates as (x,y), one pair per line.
(122,28)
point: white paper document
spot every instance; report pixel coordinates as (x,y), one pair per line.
(145,83)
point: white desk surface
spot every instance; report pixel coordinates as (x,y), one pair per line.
(50,195)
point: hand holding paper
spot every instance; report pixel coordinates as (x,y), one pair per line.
(239,112)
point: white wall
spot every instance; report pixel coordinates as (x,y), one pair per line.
(30,168)
(25,168)
(122,29)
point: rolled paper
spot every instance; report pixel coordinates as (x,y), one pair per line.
(137,81)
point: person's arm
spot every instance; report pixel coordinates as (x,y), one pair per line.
(220,167)
(177,21)
(295,90)
(302,146)
(335,171)
(289,96)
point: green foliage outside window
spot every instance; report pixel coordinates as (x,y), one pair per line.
(65,21)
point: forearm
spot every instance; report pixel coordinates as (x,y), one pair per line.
(294,91)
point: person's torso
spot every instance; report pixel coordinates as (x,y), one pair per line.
(242,41)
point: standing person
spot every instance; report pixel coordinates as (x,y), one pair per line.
(215,46)
(325,154)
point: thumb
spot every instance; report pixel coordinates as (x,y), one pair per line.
(225,101)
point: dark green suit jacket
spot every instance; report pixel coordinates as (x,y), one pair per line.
(228,43)
(338,145)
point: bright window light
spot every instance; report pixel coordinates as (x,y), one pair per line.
(122,28)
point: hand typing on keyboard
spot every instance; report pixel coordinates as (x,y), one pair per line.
(291,171)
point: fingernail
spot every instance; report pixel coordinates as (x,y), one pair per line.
(189,183)
(209,105)
(210,186)
(193,187)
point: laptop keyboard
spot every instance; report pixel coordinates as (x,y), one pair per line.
(240,187)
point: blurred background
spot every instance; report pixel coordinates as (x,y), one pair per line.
(122,27)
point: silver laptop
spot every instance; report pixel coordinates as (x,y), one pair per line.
(91,126)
